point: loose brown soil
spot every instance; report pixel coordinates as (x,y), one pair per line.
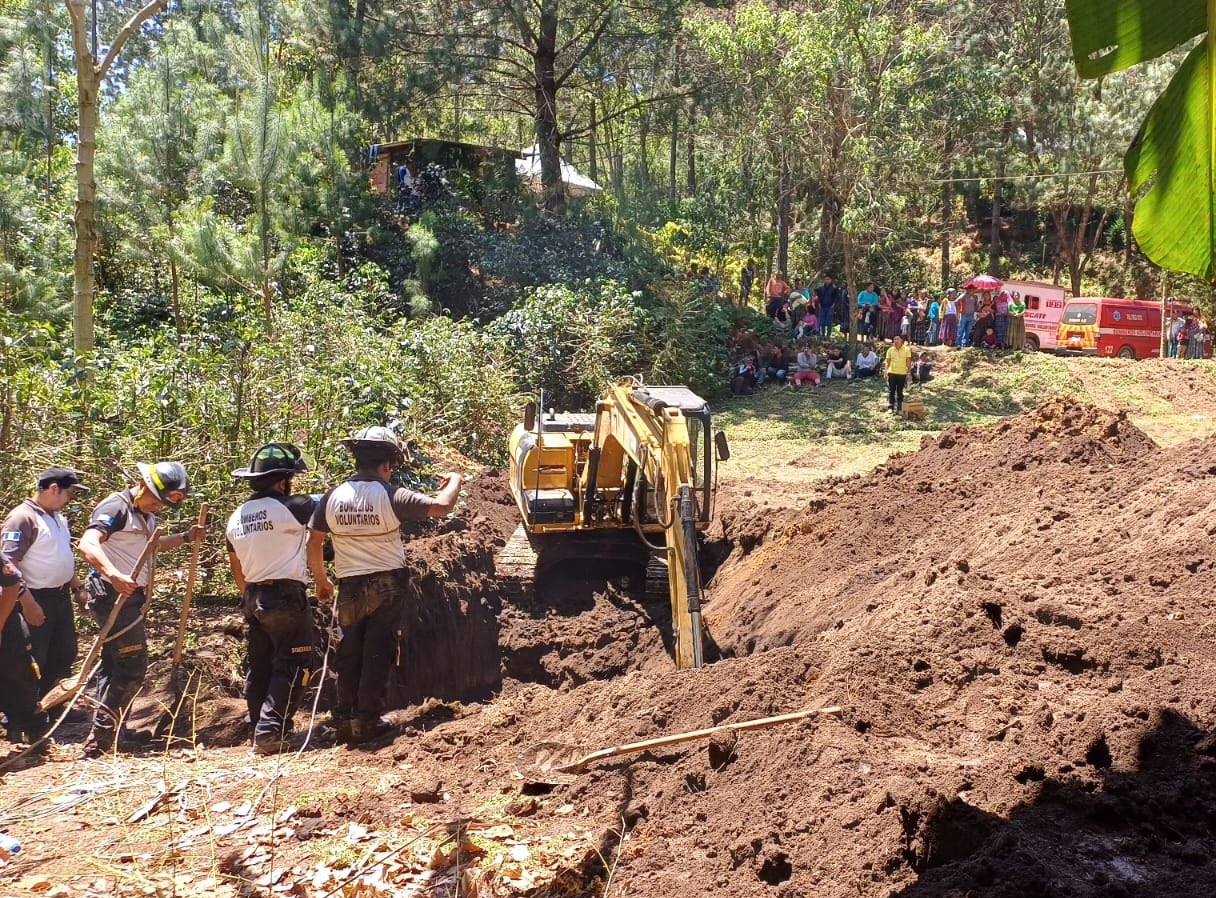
(1016,620)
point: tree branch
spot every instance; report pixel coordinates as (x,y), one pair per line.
(618,113)
(128,30)
(586,51)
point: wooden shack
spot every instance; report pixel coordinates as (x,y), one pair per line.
(479,161)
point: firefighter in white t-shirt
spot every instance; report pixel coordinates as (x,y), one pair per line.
(267,550)
(364,516)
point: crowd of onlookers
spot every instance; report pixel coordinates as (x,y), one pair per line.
(811,363)
(806,322)
(1188,337)
(991,319)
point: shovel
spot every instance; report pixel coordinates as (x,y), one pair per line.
(169,718)
(550,758)
(67,689)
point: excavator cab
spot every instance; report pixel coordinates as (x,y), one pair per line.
(635,474)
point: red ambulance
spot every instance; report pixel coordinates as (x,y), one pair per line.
(1099,325)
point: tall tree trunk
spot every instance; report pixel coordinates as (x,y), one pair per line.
(994,236)
(827,229)
(783,213)
(673,155)
(86,207)
(356,49)
(845,306)
(544,60)
(90,75)
(50,118)
(593,161)
(644,153)
(175,296)
(947,202)
(691,184)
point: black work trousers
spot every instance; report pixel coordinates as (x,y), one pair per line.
(281,654)
(19,681)
(124,659)
(55,641)
(895,391)
(370,613)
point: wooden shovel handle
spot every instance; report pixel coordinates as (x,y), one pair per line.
(702,734)
(191,579)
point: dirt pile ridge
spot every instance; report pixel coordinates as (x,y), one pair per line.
(1019,624)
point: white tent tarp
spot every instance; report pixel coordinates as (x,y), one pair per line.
(576,183)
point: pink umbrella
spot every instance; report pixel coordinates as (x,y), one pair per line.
(983,282)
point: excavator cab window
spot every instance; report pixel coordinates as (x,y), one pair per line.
(700,451)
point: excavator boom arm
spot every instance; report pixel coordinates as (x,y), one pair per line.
(655,436)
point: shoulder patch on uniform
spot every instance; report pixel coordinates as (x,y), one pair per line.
(107,519)
(11,536)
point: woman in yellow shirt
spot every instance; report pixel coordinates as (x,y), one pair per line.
(896,368)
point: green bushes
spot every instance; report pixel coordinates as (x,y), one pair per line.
(211,396)
(572,341)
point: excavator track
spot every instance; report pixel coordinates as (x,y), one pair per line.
(525,561)
(657,587)
(516,565)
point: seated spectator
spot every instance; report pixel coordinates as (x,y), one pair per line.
(922,369)
(783,320)
(867,362)
(989,340)
(809,325)
(807,367)
(838,366)
(743,377)
(778,367)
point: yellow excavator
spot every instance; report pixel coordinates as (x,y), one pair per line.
(636,474)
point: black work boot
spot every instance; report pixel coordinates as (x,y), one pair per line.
(362,731)
(273,745)
(342,730)
(100,742)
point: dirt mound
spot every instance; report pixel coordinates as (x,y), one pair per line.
(1018,622)
(968,496)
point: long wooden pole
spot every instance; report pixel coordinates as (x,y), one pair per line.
(676,739)
(191,579)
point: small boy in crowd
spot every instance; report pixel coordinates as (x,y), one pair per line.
(922,369)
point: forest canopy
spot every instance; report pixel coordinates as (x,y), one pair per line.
(246,273)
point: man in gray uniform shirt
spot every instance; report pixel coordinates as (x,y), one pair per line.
(364,517)
(36,538)
(118,531)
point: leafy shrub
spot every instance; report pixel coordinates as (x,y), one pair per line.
(571,341)
(211,396)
